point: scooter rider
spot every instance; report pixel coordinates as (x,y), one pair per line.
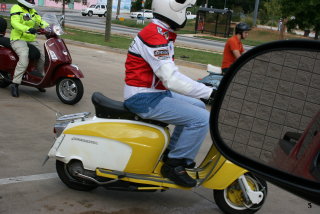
(24,19)
(155,89)
(233,48)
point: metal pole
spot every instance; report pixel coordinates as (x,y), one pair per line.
(108,21)
(63,12)
(142,12)
(255,13)
(118,9)
(225,4)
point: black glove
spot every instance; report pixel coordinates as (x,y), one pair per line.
(32,31)
(209,101)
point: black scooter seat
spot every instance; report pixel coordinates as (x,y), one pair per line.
(34,53)
(108,108)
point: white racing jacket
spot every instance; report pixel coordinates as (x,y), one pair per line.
(150,65)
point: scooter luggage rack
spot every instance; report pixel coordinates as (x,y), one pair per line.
(81,115)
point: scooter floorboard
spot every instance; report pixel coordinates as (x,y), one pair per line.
(152,179)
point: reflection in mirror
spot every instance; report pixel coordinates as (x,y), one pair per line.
(271,111)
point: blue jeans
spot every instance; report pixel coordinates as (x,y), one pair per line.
(189,115)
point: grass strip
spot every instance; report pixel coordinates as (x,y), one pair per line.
(245,42)
(258,37)
(123,42)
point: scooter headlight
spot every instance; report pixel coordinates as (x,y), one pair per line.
(57,30)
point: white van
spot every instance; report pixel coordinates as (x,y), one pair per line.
(95,9)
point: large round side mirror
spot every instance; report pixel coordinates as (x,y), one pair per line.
(266,115)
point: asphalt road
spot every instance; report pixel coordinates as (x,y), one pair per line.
(26,135)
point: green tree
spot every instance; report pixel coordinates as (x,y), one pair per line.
(302,14)
(271,10)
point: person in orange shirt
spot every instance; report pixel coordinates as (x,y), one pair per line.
(233,48)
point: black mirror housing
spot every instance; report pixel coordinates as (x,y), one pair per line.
(266,115)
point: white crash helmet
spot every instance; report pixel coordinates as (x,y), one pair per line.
(173,12)
(27,3)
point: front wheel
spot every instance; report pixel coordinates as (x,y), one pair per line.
(232,201)
(90,13)
(69,90)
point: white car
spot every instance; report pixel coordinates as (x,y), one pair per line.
(190,15)
(148,14)
(100,10)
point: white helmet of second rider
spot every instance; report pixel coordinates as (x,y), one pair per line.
(175,10)
(27,3)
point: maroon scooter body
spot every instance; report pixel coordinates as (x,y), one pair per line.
(58,63)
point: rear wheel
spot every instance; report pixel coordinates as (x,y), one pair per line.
(66,173)
(4,82)
(69,90)
(105,14)
(232,201)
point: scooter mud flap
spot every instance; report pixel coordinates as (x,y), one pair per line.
(225,176)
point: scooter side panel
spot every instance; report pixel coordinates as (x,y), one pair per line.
(8,59)
(92,151)
(147,142)
(225,176)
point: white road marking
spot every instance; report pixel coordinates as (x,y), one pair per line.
(28,178)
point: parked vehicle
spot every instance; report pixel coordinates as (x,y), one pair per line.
(190,15)
(118,150)
(99,9)
(289,157)
(148,14)
(59,70)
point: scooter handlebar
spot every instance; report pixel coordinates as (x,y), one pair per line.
(41,31)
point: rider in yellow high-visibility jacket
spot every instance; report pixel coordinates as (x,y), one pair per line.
(24,20)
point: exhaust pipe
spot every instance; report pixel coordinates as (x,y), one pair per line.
(79,175)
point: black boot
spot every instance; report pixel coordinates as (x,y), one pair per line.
(174,170)
(15,90)
(188,166)
(165,155)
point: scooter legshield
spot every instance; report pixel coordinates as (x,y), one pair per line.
(225,176)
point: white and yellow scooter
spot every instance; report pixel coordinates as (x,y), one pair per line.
(118,150)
